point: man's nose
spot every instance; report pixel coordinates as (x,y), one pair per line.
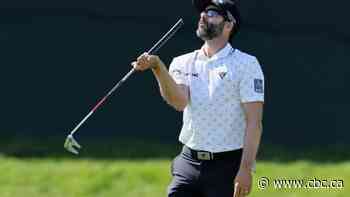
(203,15)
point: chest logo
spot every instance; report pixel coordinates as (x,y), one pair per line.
(222,74)
(178,72)
(192,74)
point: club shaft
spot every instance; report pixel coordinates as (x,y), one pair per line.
(82,122)
(152,51)
(166,37)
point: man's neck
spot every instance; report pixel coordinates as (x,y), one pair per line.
(213,46)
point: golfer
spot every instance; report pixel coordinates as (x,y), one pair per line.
(220,90)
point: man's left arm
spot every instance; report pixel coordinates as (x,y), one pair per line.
(243,181)
(253,112)
(251,89)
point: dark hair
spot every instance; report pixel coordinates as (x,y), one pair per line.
(233,10)
(234,31)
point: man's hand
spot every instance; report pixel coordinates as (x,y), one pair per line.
(243,182)
(146,61)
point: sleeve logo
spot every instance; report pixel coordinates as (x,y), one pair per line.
(258,85)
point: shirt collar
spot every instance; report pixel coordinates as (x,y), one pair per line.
(220,54)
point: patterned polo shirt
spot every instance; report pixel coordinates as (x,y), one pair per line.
(214,119)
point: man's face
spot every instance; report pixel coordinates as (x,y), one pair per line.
(211,25)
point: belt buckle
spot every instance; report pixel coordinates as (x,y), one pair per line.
(202,155)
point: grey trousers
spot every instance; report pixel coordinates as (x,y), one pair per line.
(193,177)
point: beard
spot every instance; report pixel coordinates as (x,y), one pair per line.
(208,31)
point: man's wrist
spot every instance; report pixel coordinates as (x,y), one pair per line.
(157,66)
(248,167)
(155,69)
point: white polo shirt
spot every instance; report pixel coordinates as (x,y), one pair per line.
(214,119)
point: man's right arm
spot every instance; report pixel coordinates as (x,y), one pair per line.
(176,95)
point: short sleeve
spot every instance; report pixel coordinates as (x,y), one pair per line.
(251,85)
(178,71)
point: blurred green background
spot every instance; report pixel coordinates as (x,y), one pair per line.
(59,57)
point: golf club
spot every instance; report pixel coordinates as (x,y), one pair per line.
(71,144)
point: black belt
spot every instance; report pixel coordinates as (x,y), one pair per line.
(205,155)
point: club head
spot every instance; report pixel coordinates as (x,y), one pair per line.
(71,144)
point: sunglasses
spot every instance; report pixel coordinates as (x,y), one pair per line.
(212,13)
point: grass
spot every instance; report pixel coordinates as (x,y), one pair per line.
(75,178)
(36,169)
(51,177)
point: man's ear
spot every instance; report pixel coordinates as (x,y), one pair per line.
(229,25)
